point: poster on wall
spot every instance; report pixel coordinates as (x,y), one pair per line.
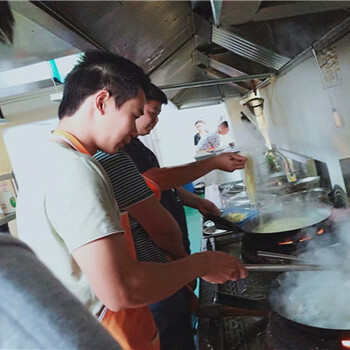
(329,64)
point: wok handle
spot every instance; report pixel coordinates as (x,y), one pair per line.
(219,311)
(239,302)
(222,223)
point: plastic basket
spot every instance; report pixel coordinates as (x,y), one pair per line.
(251,213)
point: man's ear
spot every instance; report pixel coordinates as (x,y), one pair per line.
(101,99)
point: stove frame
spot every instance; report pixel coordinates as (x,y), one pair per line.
(246,332)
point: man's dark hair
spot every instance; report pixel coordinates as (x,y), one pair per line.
(199,121)
(156,94)
(97,70)
(6,23)
(224,124)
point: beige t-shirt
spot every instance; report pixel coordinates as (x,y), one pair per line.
(70,204)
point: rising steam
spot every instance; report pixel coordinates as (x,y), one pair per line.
(321,298)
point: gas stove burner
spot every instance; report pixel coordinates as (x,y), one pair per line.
(283,334)
(288,243)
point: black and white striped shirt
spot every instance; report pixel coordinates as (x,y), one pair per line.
(129,189)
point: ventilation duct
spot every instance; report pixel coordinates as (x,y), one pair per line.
(247,49)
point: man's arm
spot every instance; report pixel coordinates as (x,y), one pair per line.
(121,282)
(160,225)
(192,200)
(173,177)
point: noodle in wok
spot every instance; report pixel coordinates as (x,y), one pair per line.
(249,179)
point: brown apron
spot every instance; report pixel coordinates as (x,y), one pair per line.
(193,300)
(132,328)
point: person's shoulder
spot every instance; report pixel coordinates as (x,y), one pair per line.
(134,143)
(134,147)
(113,159)
(63,153)
(67,163)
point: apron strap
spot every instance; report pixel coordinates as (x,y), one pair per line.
(71,140)
(153,186)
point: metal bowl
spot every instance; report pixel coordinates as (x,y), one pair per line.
(312,195)
(231,188)
(306,183)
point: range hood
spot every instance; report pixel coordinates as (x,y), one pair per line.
(182,44)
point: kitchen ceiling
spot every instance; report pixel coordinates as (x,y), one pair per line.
(181,41)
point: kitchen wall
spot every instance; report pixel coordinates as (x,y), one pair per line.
(299,113)
(19,113)
(18,137)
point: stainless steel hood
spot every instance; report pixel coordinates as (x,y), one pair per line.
(182,42)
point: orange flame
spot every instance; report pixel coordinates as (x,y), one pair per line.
(320,231)
(346,344)
(285,242)
(306,238)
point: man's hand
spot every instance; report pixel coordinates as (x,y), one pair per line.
(205,206)
(229,161)
(222,267)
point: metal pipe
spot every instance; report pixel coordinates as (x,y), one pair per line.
(216,6)
(214,82)
(286,268)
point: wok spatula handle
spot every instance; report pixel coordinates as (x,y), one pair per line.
(287,267)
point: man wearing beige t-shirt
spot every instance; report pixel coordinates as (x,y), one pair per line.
(73,209)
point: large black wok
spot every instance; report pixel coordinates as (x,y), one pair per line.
(311,215)
(277,309)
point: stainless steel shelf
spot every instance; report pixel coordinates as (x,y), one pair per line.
(7,218)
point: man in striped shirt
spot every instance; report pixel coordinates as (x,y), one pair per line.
(157,237)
